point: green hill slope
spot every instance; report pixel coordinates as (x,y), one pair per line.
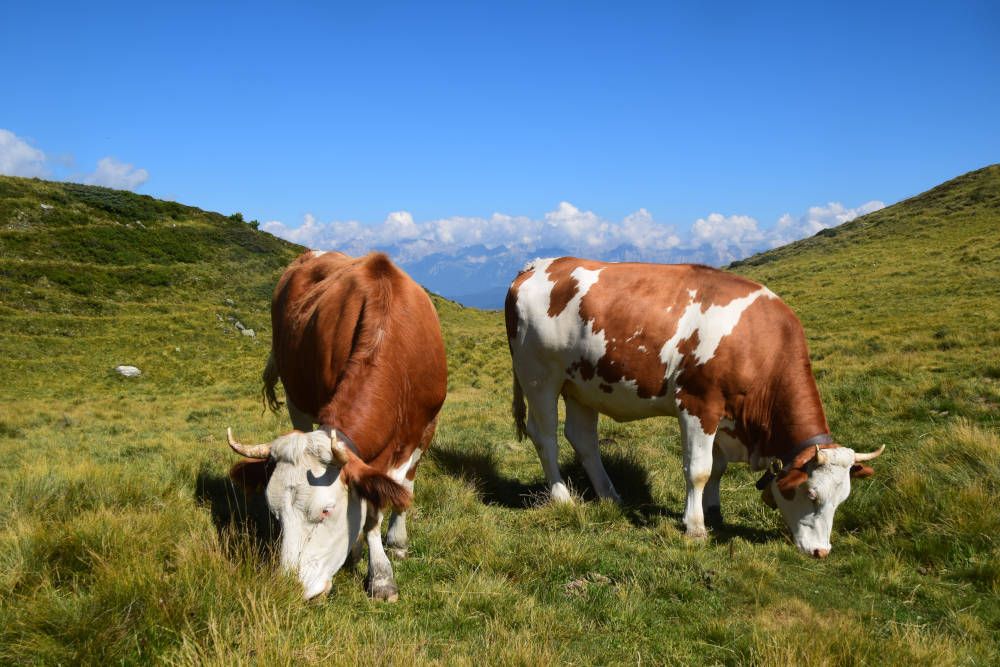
(121,540)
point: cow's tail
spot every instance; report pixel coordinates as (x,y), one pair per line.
(519,410)
(270,378)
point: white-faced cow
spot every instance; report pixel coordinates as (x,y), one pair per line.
(721,353)
(358,348)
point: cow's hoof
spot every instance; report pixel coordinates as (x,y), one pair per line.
(398,553)
(385,592)
(696,534)
(560,494)
(713,517)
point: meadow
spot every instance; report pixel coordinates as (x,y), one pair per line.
(123,541)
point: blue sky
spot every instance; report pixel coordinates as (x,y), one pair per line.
(440,110)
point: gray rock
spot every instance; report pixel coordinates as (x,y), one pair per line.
(128,371)
(248,333)
(239,325)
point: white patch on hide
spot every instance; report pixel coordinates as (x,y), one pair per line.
(712,326)
(398,473)
(732,448)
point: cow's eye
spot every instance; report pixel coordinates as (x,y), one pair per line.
(812,495)
(327,511)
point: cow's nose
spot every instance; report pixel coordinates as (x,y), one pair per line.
(318,597)
(820,553)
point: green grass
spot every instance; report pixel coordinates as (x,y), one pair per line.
(121,539)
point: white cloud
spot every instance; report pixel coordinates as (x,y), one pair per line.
(19,158)
(567,228)
(112,173)
(715,239)
(729,237)
(817,218)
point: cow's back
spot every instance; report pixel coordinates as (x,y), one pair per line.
(357,345)
(632,339)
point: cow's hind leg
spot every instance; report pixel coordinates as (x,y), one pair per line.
(697,446)
(380,582)
(396,538)
(543,420)
(581,431)
(712,502)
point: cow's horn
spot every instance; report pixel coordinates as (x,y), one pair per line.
(868,456)
(338,449)
(249,451)
(821,458)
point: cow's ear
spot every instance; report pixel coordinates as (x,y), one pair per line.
(377,488)
(789,480)
(768,497)
(859,471)
(252,475)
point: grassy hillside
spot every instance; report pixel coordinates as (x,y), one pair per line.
(121,539)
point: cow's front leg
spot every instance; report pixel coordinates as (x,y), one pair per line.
(380,583)
(697,445)
(712,501)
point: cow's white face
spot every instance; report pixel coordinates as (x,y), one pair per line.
(809,512)
(321,515)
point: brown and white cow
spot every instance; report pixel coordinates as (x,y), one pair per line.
(721,353)
(357,346)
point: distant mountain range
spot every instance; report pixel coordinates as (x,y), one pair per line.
(478,276)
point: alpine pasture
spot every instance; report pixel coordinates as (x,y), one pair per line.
(122,540)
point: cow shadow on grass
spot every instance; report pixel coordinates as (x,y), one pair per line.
(241,518)
(482,471)
(724,533)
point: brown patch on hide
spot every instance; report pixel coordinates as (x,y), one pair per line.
(789,480)
(565,286)
(583,367)
(860,471)
(510,316)
(376,487)
(796,473)
(252,475)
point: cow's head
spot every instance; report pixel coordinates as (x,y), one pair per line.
(808,491)
(321,493)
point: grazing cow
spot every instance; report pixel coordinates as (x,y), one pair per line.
(721,353)
(357,346)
